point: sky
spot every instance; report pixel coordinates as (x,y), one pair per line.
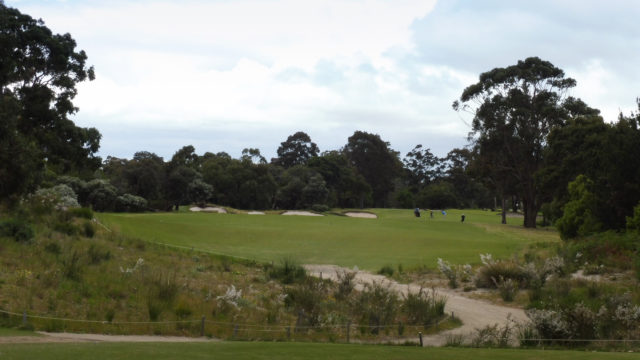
(232,74)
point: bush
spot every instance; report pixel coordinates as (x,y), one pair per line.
(423,308)
(130,203)
(320,208)
(495,269)
(288,271)
(386,270)
(579,217)
(19,230)
(307,300)
(377,306)
(61,195)
(83,213)
(71,266)
(346,284)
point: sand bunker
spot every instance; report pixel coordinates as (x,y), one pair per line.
(218,210)
(255,213)
(361,215)
(302,213)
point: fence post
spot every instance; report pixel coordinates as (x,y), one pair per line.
(202,327)
(235,330)
(288,332)
(348,331)
(24,318)
(420,335)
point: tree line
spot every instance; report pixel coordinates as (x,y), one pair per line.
(531,147)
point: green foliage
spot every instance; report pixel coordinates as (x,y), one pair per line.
(633,222)
(440,195)
(376,162)
(579,218)
(296,150)
(19,230)
(423,308)
(38,77)
(386,270)
(288,271)
(84,213)
(72,267)
(130,203)
(377,306)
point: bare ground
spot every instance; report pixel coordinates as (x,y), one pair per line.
(47,337)
(474,313)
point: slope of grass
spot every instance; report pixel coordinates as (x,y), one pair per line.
(396,237)
(287,351)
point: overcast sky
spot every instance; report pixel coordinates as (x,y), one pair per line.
(232,74)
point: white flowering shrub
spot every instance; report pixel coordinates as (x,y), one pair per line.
(60,196)
(231,297)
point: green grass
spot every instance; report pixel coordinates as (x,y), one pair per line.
(396,237)
(287,351)
(16,332)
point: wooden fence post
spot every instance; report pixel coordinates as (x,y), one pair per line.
(348,331)
(202,327)
(420,334)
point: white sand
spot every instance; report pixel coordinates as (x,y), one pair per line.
(361,215)
(218,210)
(301,213)
(255,213)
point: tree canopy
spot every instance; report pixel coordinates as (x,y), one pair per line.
(514,110)
(39,71)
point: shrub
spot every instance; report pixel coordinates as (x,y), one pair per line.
(320,208)
(346,284)
(288,271)
(633,222)
(61,195)
(19,230)
(386,270)
(579,218)
(84,213)
(130,203)
(423,308)
(377,306)
(496,269)
(88,229)
(307,300)
(507,288)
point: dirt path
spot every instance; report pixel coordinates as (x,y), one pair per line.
(473,313)
(47,337)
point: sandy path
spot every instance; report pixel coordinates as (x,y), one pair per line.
(74,338)
(361,215)
(473,313)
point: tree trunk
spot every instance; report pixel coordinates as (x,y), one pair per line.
(504,210)
(530,213)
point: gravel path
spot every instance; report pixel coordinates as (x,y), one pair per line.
(473,313)
(47,337)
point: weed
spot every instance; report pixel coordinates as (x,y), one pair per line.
(71,266)
(19,230)
(97,254)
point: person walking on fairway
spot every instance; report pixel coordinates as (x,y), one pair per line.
(431,213)
(416,212)
(462,218)
(444,213)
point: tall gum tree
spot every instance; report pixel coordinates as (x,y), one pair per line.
(514,109)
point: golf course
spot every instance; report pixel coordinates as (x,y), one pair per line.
(395,237)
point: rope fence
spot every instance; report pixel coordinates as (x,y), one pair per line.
(346,332)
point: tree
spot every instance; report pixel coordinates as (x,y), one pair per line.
(376,162)
(422,167)
(38,76)
(296,150)
(606,153)
(579,217)
(347,188)
(514,110)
